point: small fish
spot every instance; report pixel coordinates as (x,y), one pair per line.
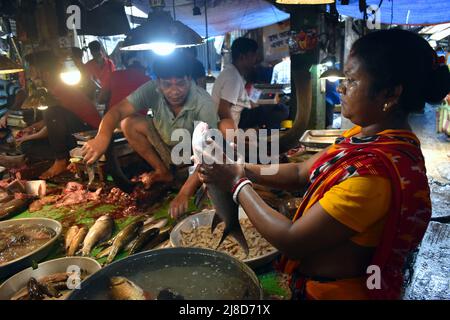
(38,291)
(226,208)
(70,234)
(149,220)
(34,290)
(159,224)
(100,231)
(77,241)
(164,235)
(104,253)
(123,238)
(12,207)
(91,174)
(124,289)
(144,238)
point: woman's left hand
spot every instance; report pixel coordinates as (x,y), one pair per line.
(224,176)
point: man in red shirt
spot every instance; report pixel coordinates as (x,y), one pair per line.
(100,67)
(69,111)
(122,83)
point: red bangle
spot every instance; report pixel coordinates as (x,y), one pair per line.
(237,184)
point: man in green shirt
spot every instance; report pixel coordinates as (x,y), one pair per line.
(176,103)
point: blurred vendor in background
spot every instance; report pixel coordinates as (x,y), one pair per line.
(67,110)
(100,67)
(122,83)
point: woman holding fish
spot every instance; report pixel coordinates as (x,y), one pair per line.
(367,205)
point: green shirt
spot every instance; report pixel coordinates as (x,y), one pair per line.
(199,106)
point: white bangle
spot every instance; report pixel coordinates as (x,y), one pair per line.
(238,189)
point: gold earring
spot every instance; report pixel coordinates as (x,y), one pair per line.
(385,107)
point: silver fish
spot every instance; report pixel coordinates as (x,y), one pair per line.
(226,209)
(77,241)
(70,234)
(100,231)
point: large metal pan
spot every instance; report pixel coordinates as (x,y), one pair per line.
(320,139)
(61,265)
(194,273)
(205,218)
(35,256)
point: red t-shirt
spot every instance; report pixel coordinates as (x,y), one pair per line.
(102,74)
(74,100)
(122,83)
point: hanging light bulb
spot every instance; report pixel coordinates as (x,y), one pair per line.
(162,48)
(70,74)
(161,33)
(332,75)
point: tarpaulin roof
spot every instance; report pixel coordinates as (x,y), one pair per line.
(223,15)
(415,12)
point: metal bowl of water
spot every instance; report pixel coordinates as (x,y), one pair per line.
(35,256)
(194,273)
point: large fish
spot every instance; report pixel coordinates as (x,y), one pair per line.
(123,238)
(226,209)
(124,289)
(100,231)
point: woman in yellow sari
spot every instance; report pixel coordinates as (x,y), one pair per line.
(367,204)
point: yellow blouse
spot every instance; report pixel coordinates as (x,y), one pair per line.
(362,204)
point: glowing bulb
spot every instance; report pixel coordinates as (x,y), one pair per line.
(333,79)
(70,74)
(71,77)
(162,48)
(42,108)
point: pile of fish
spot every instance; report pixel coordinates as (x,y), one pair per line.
(47,288)
(137,236)
(124,289)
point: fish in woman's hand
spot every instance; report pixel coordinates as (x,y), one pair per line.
(226,209)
